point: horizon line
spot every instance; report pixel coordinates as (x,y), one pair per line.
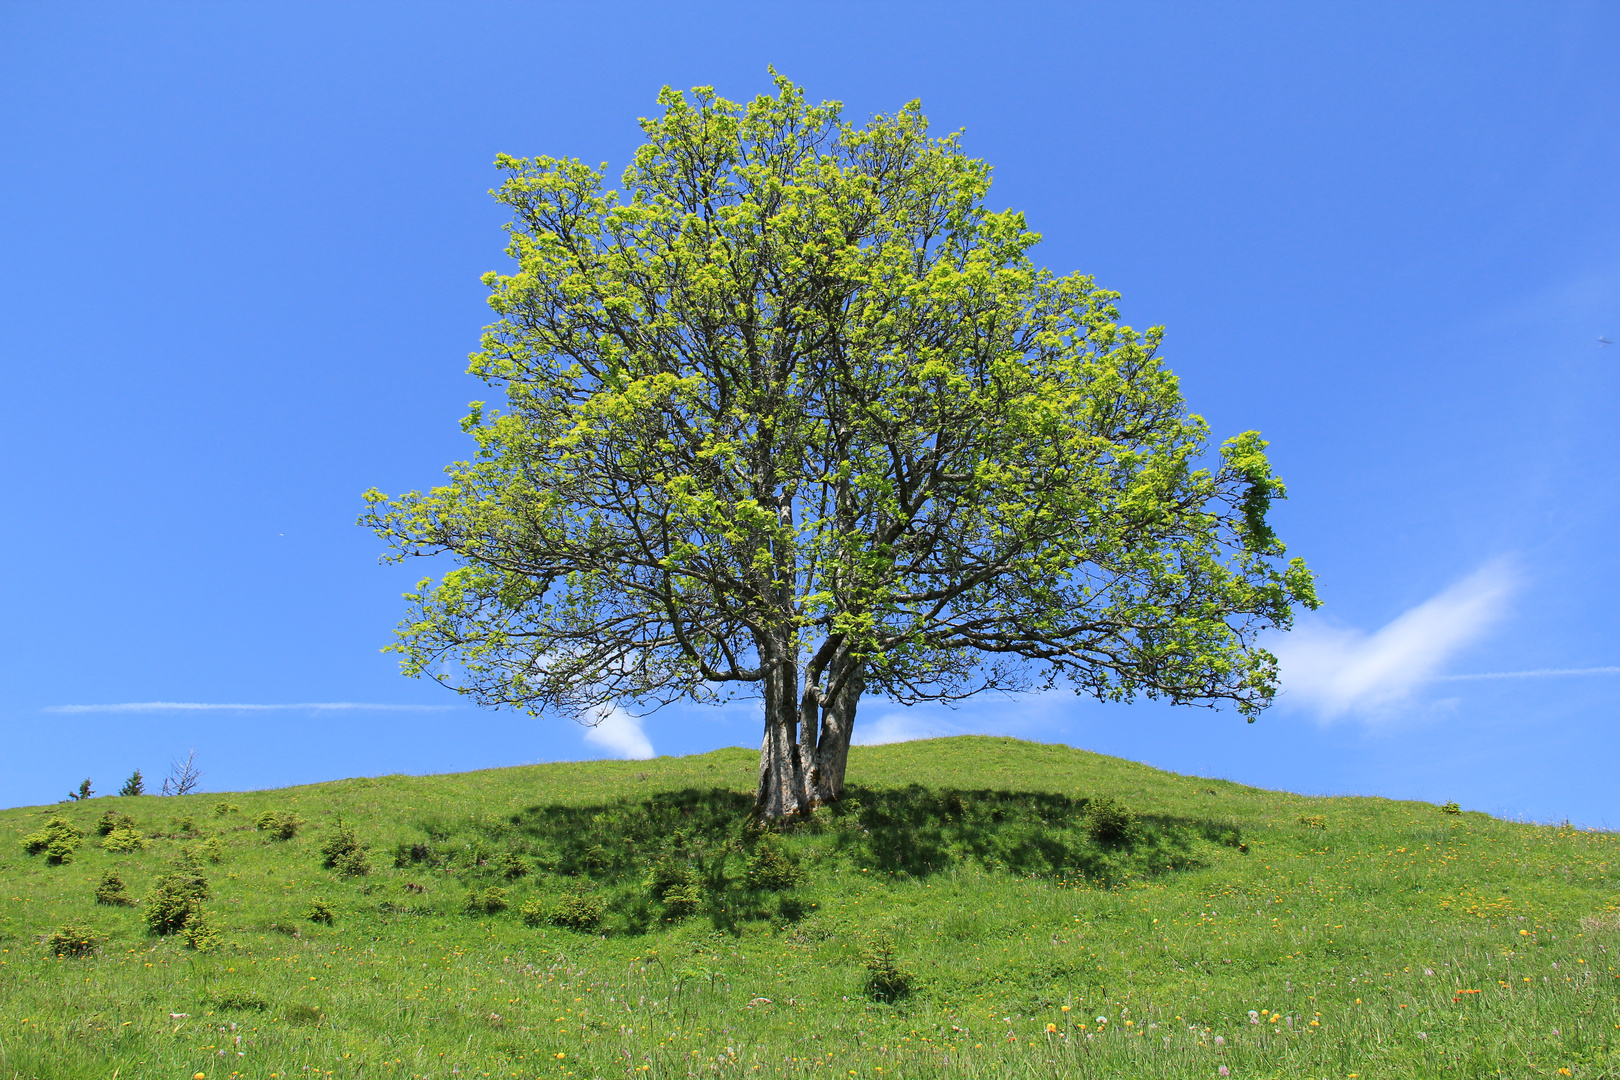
(208,706)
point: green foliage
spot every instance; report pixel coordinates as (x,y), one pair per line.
(83,792)
(223,808)
(514,865)
(199,930)
(73,939)
(111,891)
(1451,808)
(344,853)
(319,911)
(886,980)
(1109,821)
(184,825)
(302,1015)
(578,911)
(134,785)
(212,849)
(59,839)
(769,867)
(123,839)
(176,896)
(887,442)
(534,913)
(490,901)
(111,820)
(280,825)
(237,1000)
(673,883)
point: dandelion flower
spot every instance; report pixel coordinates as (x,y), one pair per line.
(1051,1027)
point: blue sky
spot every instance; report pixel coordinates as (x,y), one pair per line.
(239,257)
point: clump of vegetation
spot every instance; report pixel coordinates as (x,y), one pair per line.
(176,896)
(134,785)
(320,912)
(1451,808)
(886,980)
(213,849)
(83,793)
(123,839)
(514,866)
(199,930)
(281,825)
(223,808)
(673,883)
(769,867)
(578,910)
(111,891)
(533,913)
(1109,821)
(73,939)
(238,1000)
(111,820)
(488,902)
(303,1014)
(59,839)
(1313,821)
(184,825)
(344,853)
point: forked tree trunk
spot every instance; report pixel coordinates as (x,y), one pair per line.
(801,761)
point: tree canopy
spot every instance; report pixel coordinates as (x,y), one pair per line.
(794,414)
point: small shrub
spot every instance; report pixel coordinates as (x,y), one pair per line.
(213,849)
(488,902)
(185,824)
(1313,821)
(223,808)
(58,840)
(514,866)
(1451,808)
(123,840)
(280,825)
(175,896)
(344,853)
(579,911)
(111,891)
(73,939)
(886,979)
(408,854)
(134,785)
(111,820)
(533,913)
(320,912)
(1108,821)
(199,931)
(770,868)
(676,885)
(83,793)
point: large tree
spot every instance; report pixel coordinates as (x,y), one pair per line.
(793,414)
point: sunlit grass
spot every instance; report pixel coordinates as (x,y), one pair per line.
(1266,933)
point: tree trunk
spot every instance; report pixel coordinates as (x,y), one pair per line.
(782,790)
(846,682)
(801,762)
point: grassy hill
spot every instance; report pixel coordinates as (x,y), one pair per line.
(978,907)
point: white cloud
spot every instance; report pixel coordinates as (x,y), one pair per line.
(620,734)
(1335,671)
(895,727)
(208,706)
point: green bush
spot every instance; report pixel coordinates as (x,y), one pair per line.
(533,913)
(344,853)
(175,896)
(73,939)
(578,911)
(515,866)
(223,808)
(1451,808)
(134,785)
(58,840)
(199,930)
(111,820)
(1109,821)
(488,902)
(279,824)
(677,886)
(886,979)
(111,891)
(213,849)
(320,912)
(123,840)
(184,825)
(770,867)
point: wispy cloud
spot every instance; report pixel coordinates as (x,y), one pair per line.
(620,734)
(1336,671)
(1538,673)
(897,727)
(211,706)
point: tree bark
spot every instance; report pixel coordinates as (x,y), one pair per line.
(781,764)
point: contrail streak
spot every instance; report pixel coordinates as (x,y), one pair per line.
(1539,673)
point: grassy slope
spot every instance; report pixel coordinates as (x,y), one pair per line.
(1382,939)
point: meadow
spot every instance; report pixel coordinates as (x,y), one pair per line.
(976,907)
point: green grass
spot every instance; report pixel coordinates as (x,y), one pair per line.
(956,917)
